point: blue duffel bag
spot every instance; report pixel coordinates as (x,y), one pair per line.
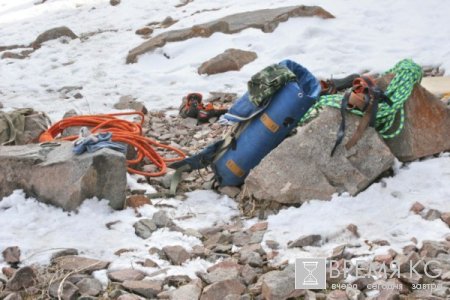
(259,129)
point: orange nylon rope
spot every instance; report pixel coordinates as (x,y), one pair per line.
(122,131)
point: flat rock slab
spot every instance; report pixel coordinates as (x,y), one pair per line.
(230,60)
(80,264)
(53,174)
(301,167)
(265,19)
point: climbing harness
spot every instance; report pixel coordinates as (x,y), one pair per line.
(407,74)
(122,131)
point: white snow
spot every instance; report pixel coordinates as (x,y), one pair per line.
(366,35)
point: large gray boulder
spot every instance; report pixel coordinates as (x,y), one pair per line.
(53,174)
(301,167)
(264,19)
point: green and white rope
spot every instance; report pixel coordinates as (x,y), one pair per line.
(407,74)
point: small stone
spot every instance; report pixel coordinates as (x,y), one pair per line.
(146,288)
(272,244)
(136,201)
(11,255)
(161,219)
(177,255)
(405,263)
(432,215)
(230,191)
(23,278)
(128,102)
(65,252)
(126,274)
(261,226)
(445,217)
(280,284)
(252,258)
(431,249)
(69,291)
(409,248)
(353,229)
(257,237)
(384,258)
(218,238)
(249,274)
(80,264)
(78,96)
(193,232)
(13,296)
(222,289)
(148,263)
(53,34)
(167,22)
(144,228)
(176,280)
(144,31)
(306,240)
(9,272)
(338,252)
(381,243)
(89,286)
(417,208)
(114,2)
(241,238)
(337,295)
(189,291)
(75,278)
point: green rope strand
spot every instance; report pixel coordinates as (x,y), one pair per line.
(407,74)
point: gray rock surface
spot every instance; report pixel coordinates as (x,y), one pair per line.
(53,34)
(265,19)
(54,175)
(230,60)
(301,167)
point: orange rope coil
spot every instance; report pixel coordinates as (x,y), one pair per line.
(123,131)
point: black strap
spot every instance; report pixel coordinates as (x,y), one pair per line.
(341,131)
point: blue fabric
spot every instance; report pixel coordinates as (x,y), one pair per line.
(243,109)
(269,127)
(96,142)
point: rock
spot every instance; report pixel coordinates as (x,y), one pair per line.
(75,278)
(161,219)
(252,258)
(23,278)
(13,296)
(417,207)
(128,102)
(219,238)
(272,244)
(249,274)
(114,2)
(241,238)
(431,249)
(222,289)
(144,228)
(426,127)
(69,291)
(101,174)
(136,201)
(230,191)
(80,264)
(338,252)
(362,282)
(432,215)
(13,55)
(261,226)
(167,22)
(53,34)
(322,175)
(445,217)
(176,254)
(279,284)
(11,255)
(89,286)
(354,294)
(1,105)
(189,291)
(176,280)
(148,263)
(129,297)
(265,19)
(353,229)
(230,60)
(8,272)
(405,263)
(223,271)
(126,274)
(337,295)
(146,288)
(384,259)
(306,240)
(65,252)
(144,31)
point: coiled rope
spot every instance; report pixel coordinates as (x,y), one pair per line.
(407,74)
(123,131)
